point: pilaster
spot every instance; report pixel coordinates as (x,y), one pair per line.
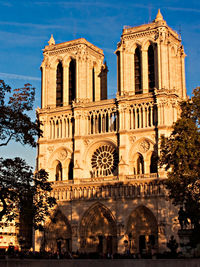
(145,84)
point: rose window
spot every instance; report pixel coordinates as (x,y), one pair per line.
(104,161)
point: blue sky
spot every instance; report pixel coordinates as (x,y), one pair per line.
(26,26)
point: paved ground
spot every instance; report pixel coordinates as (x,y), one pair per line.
(101,263)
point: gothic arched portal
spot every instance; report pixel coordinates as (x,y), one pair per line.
(142,230)
(98,230)
(58,234)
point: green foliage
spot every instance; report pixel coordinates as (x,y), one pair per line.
(15,124)
(22,192)
(180,155)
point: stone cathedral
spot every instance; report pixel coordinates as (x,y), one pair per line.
(102,154)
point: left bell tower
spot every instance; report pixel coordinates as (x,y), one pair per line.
(72,71)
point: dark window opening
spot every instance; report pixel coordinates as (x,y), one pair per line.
(41,87)
(151,71)
(72,81)
(59,172)
(154,163)
(70,172)
(93,85)
(138,76)
(140,165)
(59,85)
(118,73)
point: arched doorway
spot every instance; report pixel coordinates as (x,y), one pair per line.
(57,234)
(98,231)
(142,231)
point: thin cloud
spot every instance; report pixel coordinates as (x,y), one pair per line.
(31,25)
(108,50)
(16,39)
(90,4)
(185,9)
(5,3)
(17,77)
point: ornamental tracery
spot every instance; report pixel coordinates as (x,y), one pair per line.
(104,161)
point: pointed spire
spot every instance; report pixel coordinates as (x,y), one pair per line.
(159,16)
(51,40)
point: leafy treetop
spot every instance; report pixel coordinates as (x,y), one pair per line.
(180,155)
(15,124)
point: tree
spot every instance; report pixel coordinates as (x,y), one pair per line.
(15,123)
(180,155)
(22,192)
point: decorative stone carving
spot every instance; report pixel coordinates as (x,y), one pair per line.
(50,148)
(132,138)
(104,160)
(161,228)
(74,230)
(86,142)
(62,154)
(144,146)
(51,41)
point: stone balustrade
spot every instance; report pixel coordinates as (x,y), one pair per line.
(100,119)
(66,192)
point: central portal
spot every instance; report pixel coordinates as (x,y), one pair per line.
(98,231)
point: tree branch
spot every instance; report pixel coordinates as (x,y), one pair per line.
(5,144)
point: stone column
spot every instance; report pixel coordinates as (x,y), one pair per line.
(184,95)
(145,85)
(159,67)
(43,85)
(66,84)
(52,86)
(97,83)
(132,74)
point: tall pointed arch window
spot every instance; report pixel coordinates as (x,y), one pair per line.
(93,84)
(59,85)
(59,172)
(140,164)
(151,68)
(41,69)
(138,76)
(118,72)
(154,163)
(72,81)
(70,170)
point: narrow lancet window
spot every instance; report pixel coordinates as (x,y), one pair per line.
(138,76)
(140,164)
(59,172)
(93,84)
(70,171)
(118,73)
(154,163)
(72,81)
(59,85)
(41,87)
(151,68)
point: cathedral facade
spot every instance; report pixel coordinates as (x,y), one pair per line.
(102,154)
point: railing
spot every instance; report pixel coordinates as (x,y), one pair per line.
(142,176)
(99,179)
(142,115)
(61,127)
(100,118)
(117,190)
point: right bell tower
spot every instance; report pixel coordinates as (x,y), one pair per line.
(150,57)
